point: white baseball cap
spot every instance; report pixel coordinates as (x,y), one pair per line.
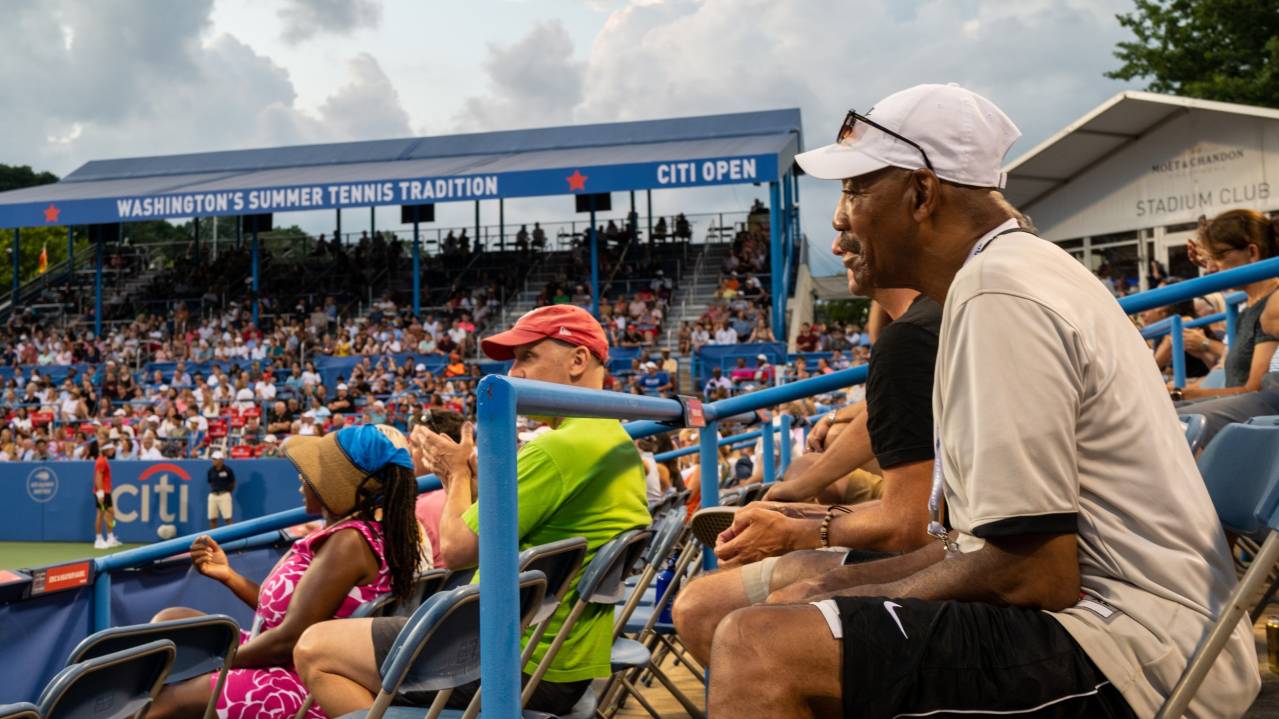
(964,135)
(217,454)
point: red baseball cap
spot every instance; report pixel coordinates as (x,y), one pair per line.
(566,323)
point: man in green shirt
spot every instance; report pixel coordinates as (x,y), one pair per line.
(582,479)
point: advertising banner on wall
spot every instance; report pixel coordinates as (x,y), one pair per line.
(54,501)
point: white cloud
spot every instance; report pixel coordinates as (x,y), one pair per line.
(304,19)
(535,81)
(158,83)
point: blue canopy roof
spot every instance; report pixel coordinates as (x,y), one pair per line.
(737,148)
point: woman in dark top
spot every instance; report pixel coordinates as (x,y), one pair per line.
(1233,239)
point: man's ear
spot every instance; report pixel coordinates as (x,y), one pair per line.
(923,194)
(579,362)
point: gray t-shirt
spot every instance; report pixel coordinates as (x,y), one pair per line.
(1052,418)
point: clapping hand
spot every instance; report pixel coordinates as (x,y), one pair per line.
(440,454)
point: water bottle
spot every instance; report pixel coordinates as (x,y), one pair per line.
(664,579)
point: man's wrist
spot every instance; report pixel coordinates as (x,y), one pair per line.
(805,534)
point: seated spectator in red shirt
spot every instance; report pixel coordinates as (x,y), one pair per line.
(808,340)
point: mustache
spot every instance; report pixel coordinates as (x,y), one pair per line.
(850,244)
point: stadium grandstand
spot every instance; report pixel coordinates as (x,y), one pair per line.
(780,431)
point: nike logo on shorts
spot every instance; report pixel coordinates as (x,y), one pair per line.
(892,608)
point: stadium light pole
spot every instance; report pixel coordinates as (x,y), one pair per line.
(15,248)
(775,257)
(417,267)
(97,281)
(595,264)
(648,203)
(255,274)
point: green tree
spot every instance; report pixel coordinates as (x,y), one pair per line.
(1226,50)
(15,177)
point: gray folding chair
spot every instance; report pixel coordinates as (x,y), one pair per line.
(1241,470)
(644,624)
(203,645)
(603,582)
(21,710)
(119,685)
(439,648)
(559,561)
(425,584)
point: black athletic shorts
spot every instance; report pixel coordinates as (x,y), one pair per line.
(550,697)
(910,657)
(105,504)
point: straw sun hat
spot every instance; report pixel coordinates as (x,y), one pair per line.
(336,464)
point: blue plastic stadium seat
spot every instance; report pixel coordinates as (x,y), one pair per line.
(1266,420)
(118,685)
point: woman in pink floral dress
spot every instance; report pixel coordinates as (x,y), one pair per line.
(361,480)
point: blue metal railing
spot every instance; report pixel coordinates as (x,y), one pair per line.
(500,399)
(251,531)
(1188,289)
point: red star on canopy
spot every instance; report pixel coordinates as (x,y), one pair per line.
(51,213)
(576,181)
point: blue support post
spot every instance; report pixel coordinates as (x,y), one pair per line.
(1178,352)
(15,248)
(337,235)
(708,456)
(501,225)
(70,251)
(794,198)
(770,463)
(102,600)
(595,266)
(775,259)
(499,549)
(784,438)
(475,243)
(372,222)
(255,275)
(195,239)
(97,284)
(417,268)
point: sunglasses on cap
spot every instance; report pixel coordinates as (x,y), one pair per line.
(850,123)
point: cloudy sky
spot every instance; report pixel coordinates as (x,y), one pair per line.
(115,78)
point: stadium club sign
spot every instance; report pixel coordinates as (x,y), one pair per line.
(393,191)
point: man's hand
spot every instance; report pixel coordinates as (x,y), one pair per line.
(817,435)
(759,532)
(448,459)
(783,492)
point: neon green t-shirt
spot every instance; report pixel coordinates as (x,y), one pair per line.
(583,479)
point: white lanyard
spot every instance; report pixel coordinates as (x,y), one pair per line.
(935,526)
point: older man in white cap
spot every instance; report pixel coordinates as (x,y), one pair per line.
(1078,559)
